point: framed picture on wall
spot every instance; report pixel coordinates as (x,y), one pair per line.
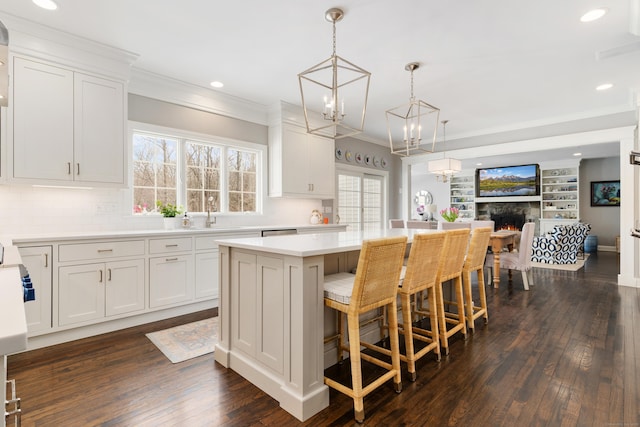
(605,193)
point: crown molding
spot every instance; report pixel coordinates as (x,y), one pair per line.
(152,85)
(36,40)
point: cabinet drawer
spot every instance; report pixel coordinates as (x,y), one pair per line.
(85,251)
(179,244)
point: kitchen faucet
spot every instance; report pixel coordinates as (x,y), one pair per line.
(210,221)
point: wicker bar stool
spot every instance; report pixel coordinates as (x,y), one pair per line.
(374,286)
(452,260)
(474,261)
(420,276)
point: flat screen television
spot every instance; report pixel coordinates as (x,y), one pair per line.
(508,181)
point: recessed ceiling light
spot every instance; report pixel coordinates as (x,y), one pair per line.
(46,4)
(594,14)
(478,164)
(604,86)
(217,84)
(577,154)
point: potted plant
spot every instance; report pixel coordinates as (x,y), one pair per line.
(169,212)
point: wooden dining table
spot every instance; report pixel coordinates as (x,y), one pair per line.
(499,240)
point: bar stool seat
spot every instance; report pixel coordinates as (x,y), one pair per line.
(373,287)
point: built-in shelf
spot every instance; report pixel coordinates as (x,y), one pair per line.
(560,193)
(462,195)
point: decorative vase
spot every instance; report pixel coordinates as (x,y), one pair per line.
(170,222)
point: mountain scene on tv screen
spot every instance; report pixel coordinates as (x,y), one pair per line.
(510,182)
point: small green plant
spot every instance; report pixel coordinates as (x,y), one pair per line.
(168,210)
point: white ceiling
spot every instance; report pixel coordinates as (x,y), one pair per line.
(490,66)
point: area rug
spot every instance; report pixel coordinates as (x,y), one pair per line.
(185,342)
(566,267)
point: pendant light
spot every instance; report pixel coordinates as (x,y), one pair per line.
(334,92)
(412,127)
(446,167)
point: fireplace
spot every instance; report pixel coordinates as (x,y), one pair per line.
(509,215)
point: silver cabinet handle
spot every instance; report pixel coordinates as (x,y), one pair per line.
(68,168)
(108,274)
(46,260)
(171,246)
(100,251)
(171,259)
(78,166)
(101,273)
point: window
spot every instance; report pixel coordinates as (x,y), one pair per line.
(360,202)
(196,174)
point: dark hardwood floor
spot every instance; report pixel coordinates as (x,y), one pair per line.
(562,354)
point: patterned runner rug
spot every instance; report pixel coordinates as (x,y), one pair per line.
(185,342)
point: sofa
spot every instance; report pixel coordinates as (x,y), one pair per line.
(561,245)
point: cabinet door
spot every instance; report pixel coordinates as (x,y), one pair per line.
(321,170)
(295,162)
(42,106)
(124,287)
(80,293)
(170,280)
(207,274)
(38,312)
(99,147)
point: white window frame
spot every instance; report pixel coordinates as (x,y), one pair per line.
(362,171)
(182,135)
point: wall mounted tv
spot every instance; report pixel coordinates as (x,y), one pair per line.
(508,181)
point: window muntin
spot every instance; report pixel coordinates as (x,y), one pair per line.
(188,172)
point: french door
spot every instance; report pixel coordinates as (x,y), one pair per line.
(360,202)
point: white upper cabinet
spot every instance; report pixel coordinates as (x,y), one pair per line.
(300,164)
(67,126)
(42,121)
(99,147)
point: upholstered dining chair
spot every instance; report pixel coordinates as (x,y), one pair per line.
(520,260)
(374,286)
(444,225)
(451,262)
(430,225)
(483,223)
(420,276)
(396,223)
(474,262)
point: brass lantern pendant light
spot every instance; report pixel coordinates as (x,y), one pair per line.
(334,92)
(412,127)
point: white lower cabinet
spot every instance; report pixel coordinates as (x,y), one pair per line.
(38,260)
(170,280)
(92,291)
(207,274)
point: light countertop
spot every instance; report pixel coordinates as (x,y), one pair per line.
(304,245)
(89,235)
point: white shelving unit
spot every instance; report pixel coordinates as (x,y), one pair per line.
(462,195)
(560,193)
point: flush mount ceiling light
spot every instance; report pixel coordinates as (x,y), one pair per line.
(604,86)
(216,84)
(334,93)
(46,4)
(594,14)
(412,127)
(445,167)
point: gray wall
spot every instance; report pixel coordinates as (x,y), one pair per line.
(604,220)
(160,113)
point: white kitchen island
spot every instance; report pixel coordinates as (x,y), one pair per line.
(271,310)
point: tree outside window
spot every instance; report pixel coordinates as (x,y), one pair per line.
(226,174)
